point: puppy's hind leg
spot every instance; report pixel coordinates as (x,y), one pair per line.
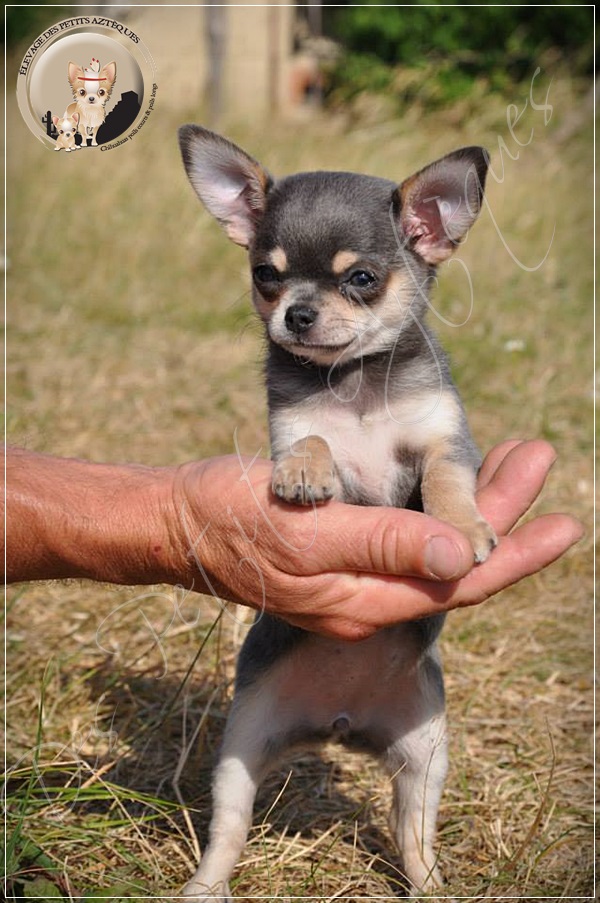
(245,758)
(417,763)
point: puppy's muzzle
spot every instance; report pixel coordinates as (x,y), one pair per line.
(299,318)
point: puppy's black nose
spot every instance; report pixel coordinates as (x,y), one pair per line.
(299,318)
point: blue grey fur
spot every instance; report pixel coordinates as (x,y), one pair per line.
(296,690)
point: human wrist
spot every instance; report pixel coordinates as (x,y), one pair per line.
(189,560)
(212,510)
(128,536)
(123,537)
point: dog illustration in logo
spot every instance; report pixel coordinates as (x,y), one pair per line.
(66,127)
(91,88)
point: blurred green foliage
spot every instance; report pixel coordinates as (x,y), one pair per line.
(24,22)
(457,45)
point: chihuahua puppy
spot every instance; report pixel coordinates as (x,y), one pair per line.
(66,128)
(362,408)
(91,88)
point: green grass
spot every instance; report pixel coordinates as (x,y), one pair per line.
(130,337)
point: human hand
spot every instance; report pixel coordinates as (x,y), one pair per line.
(346,571)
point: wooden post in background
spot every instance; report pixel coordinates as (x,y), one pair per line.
(274,62)
(216,39)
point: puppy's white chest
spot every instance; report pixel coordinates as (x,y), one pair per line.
(370,451)
(365,450)
(91,114)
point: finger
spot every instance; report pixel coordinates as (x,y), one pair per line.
(515,484)
(385,541)
(373,602)
(494,459)
(530,548)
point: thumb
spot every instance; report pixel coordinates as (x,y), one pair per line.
(390,541)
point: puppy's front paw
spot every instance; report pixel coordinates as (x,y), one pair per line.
(307,475)
(482,537)
(297,481)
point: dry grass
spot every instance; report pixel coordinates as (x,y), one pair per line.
(147,352)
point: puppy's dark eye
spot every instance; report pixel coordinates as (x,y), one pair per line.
(82,92)
(101,92)
(265,274)
(362,279)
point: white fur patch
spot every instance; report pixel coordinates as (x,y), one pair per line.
(92,115)
(365,449)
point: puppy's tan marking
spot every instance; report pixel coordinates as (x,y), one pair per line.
(306,475)
(278,258)
(401,286)
(448,491)
(342,261)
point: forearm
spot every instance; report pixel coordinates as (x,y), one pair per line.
(71,518)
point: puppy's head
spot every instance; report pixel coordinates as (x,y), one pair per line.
(92,86)
(341,262)
(67,126)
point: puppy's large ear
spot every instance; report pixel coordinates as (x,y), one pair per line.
(439,204)
(75,72)
(231,185)
(109,72)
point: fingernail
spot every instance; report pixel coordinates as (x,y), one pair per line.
(443,558)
